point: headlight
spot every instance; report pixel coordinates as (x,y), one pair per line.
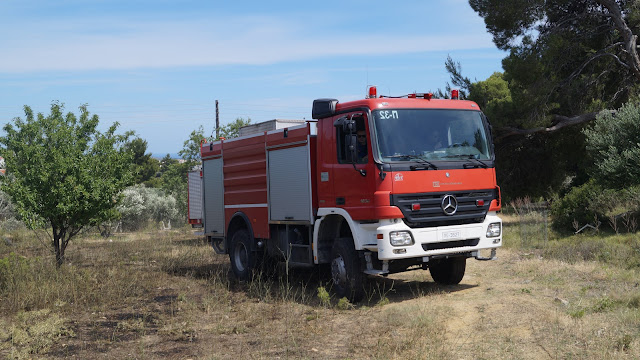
(494,230)
(400,238)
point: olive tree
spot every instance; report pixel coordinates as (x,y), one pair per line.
(613,141)
(63,173)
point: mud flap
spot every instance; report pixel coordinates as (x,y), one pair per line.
(218,245)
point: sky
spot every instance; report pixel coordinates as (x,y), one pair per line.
(158,66)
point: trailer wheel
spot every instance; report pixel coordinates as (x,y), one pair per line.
(448,271)
(243,260)
(348,278)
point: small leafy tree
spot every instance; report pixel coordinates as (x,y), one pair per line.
(191,147)
(232,129)
(63,172)
(144,166)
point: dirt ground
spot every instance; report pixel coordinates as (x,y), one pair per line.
(520,306)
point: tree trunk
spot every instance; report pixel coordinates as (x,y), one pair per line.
(58,250)
(630,40)
(59,243)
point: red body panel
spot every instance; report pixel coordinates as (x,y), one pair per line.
(245,172)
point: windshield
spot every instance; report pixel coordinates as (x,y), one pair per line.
(404,135)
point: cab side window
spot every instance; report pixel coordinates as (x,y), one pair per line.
(362,152)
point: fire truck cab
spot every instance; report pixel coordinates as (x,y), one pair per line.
(372,187)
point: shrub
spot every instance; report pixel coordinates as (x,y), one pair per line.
(575,206)
(141,205)
(613,143)
(591,201)
(6,207)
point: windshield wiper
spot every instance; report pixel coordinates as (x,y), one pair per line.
(424,164)
(479,163)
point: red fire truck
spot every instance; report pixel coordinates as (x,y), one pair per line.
(372,187)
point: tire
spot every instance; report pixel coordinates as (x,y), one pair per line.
(448,271)
(243,259)
(346,272)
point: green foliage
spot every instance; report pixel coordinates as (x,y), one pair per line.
(578,205)
(561,52)
(144,166)
(232,129)
(583,204)
(63,172)
(141,205)
(174,182)
(493,96)
(6,206)
(613,193)
(323,295)
(613,141)
(565,59)
(344,304)
(174,174)
(191,148)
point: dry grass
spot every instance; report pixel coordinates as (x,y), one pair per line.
(167,295)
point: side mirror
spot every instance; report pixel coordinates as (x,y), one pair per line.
(347,125)
(351,148)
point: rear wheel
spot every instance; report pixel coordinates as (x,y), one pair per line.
(448,271)
(243,259)
(348,278)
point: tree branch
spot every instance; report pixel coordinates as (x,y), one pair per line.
(559,121)
(630,39)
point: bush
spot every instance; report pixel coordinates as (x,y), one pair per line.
(142,205)
(8,221)
(592,202)
(11,225)
(612,142)
(6,207)
(575,206)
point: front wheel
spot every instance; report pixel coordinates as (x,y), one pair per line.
(346,271)
(243,259)
(448,271)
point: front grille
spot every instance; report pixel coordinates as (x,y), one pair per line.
(431,213)
(450,244)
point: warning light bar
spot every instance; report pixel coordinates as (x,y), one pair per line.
(455,94)
(427,96)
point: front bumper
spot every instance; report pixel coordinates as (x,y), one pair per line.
(437,241)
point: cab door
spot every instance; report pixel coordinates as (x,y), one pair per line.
(353,172)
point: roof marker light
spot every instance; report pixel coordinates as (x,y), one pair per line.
(455,94)
(428,96)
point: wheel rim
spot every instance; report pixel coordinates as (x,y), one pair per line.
(240,257)
(338,271)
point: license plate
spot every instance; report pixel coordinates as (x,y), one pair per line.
(451,235)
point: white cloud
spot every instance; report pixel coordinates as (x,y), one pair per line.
(107,44)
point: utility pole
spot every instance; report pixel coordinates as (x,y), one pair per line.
(217,121)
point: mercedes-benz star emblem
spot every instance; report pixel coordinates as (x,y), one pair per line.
(449,204)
